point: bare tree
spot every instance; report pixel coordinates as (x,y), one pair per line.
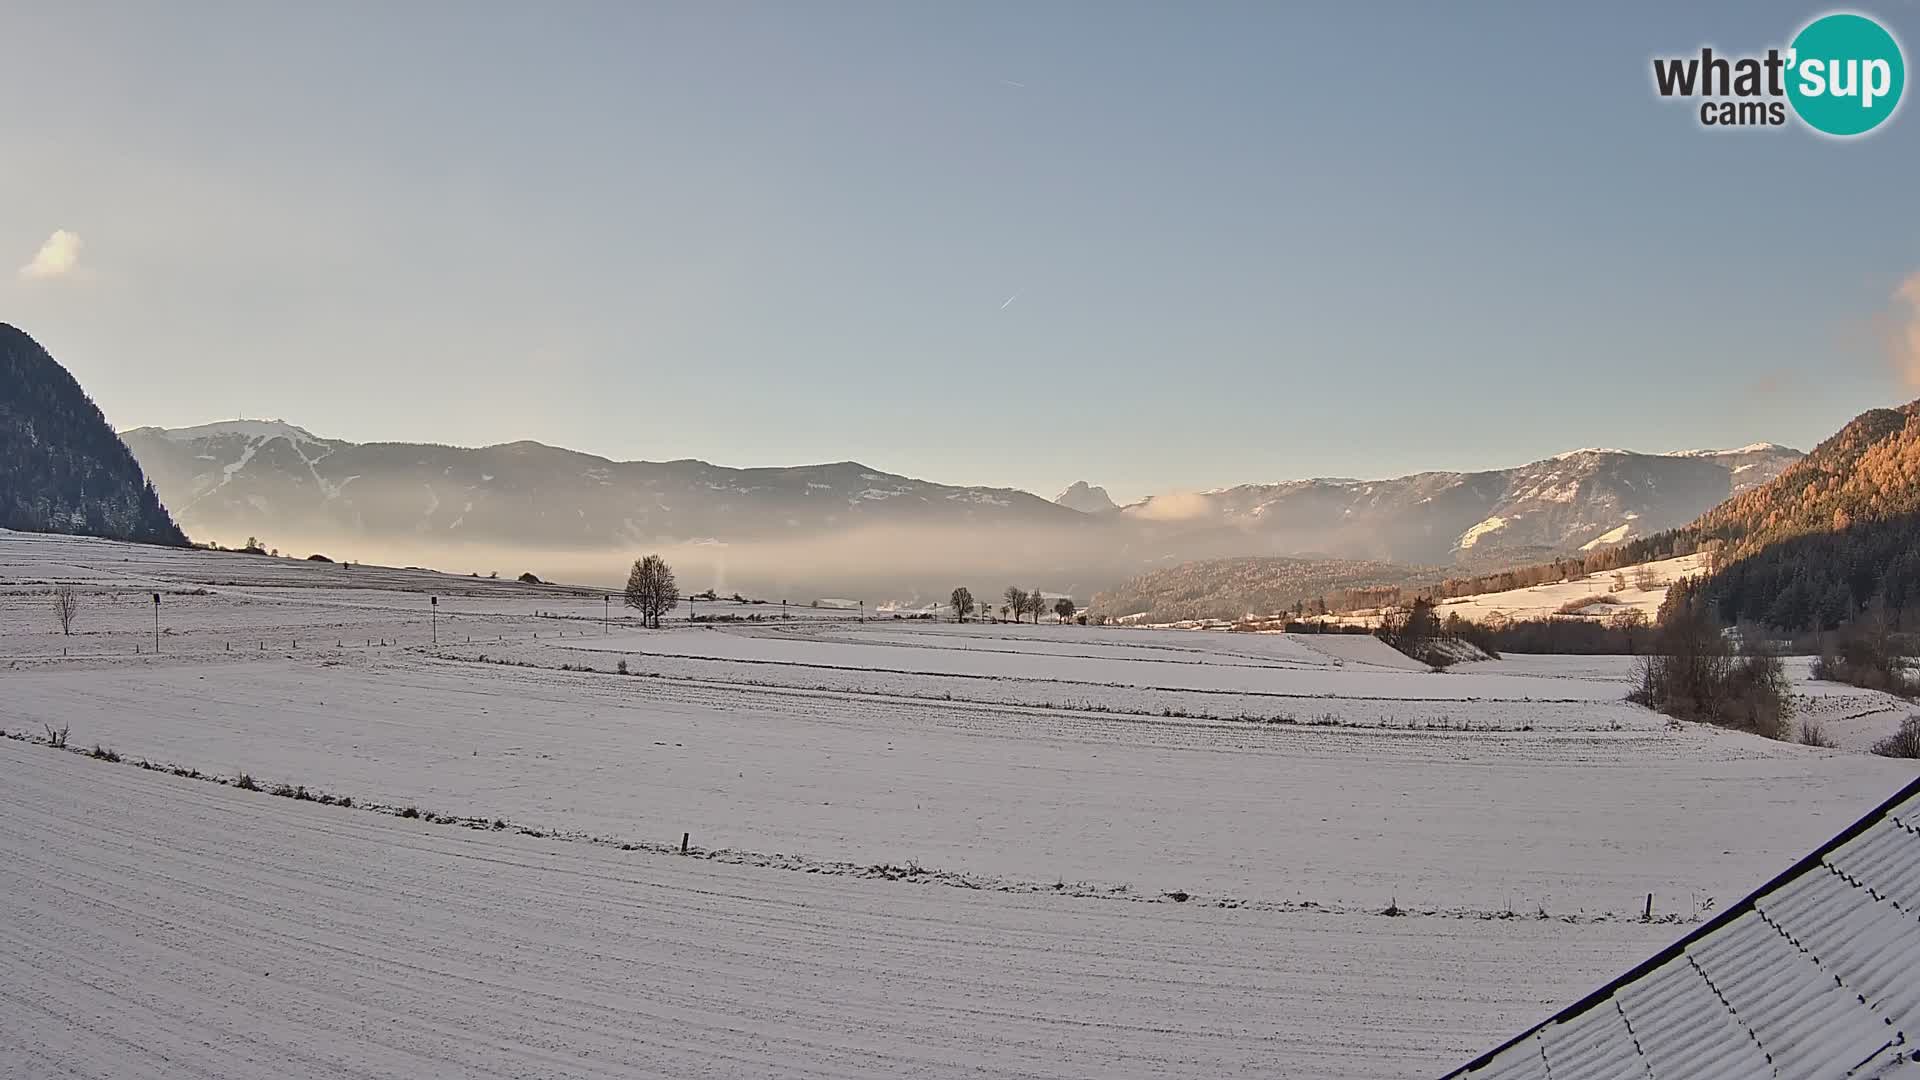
(651,589)
(66,604)
(1645,579)
(962,601)
(1016,598)
(1063,609)
(1003,612)
(1036,605)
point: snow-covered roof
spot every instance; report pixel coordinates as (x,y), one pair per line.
(1814,975)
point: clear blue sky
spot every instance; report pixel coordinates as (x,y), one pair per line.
(1246,241)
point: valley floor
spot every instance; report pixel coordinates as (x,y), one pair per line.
(914,849)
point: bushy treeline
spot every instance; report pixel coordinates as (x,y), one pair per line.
(1694,672)
(1868,653)
(62,468)
(1625,634)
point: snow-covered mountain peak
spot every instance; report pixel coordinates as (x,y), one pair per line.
(1086,499)
(247,429)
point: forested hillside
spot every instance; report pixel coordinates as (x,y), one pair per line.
(1232,588)
(1836,533)
(62,468)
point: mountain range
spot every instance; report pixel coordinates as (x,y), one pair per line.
(273,479)
(1832,538)
(1576,501)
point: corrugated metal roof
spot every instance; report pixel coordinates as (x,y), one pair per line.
(1815,975)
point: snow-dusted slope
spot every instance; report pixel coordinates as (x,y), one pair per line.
(1635,588)
(158,927)
(1578,500)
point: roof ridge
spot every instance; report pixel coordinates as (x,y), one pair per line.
(1677,949)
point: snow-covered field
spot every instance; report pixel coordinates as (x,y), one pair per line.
(914,848)
(1541,601)
(1637,588)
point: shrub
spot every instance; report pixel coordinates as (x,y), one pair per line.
(57,737)
(1575,607)
(529,579)
(1904,743)
(1812,733)
(1693,675)
(1417,633)
(245,783)
(317,557)
(1868,657)
(621,667)
(410,812)
(102,753)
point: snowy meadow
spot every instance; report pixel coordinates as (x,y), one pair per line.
(518,835)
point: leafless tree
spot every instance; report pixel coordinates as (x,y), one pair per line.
(1016,598)
(651,589)
(66,604)
(962,602)
(1036,605)
(1063,609)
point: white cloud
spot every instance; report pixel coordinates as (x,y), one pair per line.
(56,258)
(1904,337)
(1176,506)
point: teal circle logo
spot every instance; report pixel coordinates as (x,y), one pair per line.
(1845,74)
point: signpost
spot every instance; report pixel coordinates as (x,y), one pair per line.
(156,622)
(436,619)
(606,615)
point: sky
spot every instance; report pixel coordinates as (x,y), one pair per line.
(1153,246)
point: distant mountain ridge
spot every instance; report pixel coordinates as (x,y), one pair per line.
(62,468)
(1574,501)
(277,480)
(273,478)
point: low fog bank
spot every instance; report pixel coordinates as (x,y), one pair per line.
(878,564)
